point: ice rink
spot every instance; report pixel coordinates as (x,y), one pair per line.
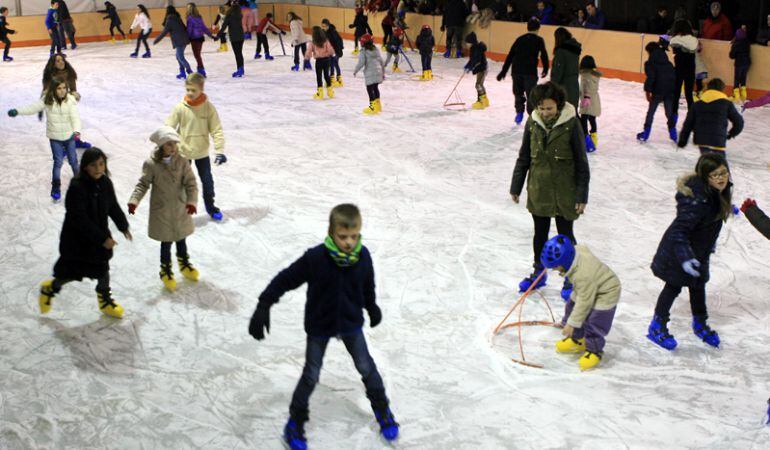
(180,371)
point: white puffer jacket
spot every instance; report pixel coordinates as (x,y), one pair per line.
(61,119)
(142,21)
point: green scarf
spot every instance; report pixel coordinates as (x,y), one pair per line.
(551,122)
(341,258)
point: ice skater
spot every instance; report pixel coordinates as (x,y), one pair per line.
(4,32)
(659,88)
(338,272)
(232,21)
(336,40)
(557,179)
(142,20)
(215,27)
(590,310)
(685,46)
(66,27)
(52,25)
(361,27)
(298,40)
(173,198)
(249,17)
(85,243)
(114,17)
(740,52)
(196,118)
(173,25)
(58,67)
(703,203)
(62,128)
(196,31)
(370,61)
(425,43)
(477,65)
(709,119)
(590,101)
(387,27)
(265,25)
(393,49)
(321,49)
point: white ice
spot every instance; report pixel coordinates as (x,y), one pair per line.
(449,247)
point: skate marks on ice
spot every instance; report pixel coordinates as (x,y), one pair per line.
(200,294)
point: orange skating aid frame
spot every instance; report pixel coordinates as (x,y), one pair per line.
(520,305)
(459,101)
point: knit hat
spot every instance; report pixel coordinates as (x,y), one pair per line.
(164,134)
(740,34)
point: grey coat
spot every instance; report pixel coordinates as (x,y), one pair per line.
(173,187)
(589,87)
(372,64)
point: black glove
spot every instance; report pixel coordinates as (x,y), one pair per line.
(442,28)
(730,135)
(283,32)
(500,76)
(375,315)
(260,322)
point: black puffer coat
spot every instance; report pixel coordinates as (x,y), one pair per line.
(477,60)
(335,40)
(88,203)
(425,42)
(661,78)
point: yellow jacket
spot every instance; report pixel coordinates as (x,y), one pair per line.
(195,124)
(595,286)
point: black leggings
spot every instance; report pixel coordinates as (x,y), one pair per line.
(387,33)
(688,80)
(165,251)
(374,91)
(322,71)
(357,37)
(7,43)
(262,42)
(102,284)
(114,25)
(143,39)
(543,227)
(741,72)
(238,52)
(585,119)
(301,48)
(669,294)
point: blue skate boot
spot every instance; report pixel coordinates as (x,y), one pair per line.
(643,136)
(527,282)
(673,135)
(703,331)
(519,118)
(294,435)
(658,333)
(448,53)
(590,147)
(388,424)
(307,66)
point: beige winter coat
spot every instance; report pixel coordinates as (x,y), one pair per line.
(589,87)
(595,286)
(195,124)
(173,187)
(61,119)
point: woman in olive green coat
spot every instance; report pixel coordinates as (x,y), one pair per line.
(553,160)
(565,70)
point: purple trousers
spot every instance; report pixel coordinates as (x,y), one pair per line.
(596,326)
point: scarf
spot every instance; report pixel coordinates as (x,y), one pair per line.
(341,258)
(551,122)
(197,102)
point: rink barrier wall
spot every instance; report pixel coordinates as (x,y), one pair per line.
(618,54)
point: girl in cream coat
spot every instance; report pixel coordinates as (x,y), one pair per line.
(173,200)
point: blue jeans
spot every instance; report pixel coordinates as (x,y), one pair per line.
(207,181)
(316,347)
(183,64)
(669,105)
(60,149)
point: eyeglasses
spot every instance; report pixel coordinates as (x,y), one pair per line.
(721,174)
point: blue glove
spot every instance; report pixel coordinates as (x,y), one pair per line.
(220,159)
(691,266)
(12,113)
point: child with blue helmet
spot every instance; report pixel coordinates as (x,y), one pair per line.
(589,313)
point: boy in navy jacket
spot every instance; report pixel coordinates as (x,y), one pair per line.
(340,278)
(709,118)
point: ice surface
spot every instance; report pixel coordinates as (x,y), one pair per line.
(180,371)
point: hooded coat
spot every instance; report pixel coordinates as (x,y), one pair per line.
(61,119)
(372,64)
(661,77)
(477,60)
(692,235)
(173,187)
(554,164)
(233,21)
(565,71)
(740,51)
(425,42)
(589,87)
(709,118)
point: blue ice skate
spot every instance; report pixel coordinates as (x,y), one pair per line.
(658,333)
(519,118)
(269,58)
(672,134)
(295,68)
(238,73)
(182,75)
(201,71)
(257,55)
(643,136)
(388,425)
(294,435)
(448,53)
(307,66)
(590,147)
(703,331)
(527,282)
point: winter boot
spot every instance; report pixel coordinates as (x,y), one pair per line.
(736,95)
(459,54)
(187,269)
(590,148)
(744,94)
(595,139)
(268,57)
(377,105)
(107,304)
(566,290)
(257,55)
(658,333)
(673,135)
(388,424)
(56,190)
(295,68)
(294,435)
(527,282)
(569,345)
(147,55)
(703,331)
(329,91)
(643,136)
(47,293)
(167,276)
(7,59)
(134,55)
(589,360)
(182,75)
(448,53)
(519,118)
(319,95)
(201,71)
(222,47)
(307,66)
(371,109)
(396,69)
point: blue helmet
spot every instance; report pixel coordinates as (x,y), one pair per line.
(558,251)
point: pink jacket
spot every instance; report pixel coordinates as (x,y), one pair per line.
(323,52)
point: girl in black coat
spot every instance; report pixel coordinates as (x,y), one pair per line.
(703,203)
(233,21)
(112,14)
(85,246)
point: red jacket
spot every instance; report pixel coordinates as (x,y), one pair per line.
(263,26)
(719,28)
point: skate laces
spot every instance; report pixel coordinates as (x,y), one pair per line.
(105,300)
(165,271)
(184,264)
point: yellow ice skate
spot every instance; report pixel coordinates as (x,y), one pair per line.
(371,109)
(112,40)
(485,100)
(339,81)
(107,304)
(589,360)
(430,74)
(335,82)
(222,47)
(595,139)
(355,52)
(744,94)
(481,103)
(187,269)
(377,105)
(47,293)
(330,91)
(396,69)
(736,95)
(167,277)
(319,95)
(424,76)
(569,345)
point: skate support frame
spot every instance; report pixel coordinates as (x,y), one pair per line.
(456,101)
(411,67)
(283,49)
(520,323)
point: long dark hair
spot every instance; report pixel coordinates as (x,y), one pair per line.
(706,164)
(90,155)
(319,37)
(170,12)
(561,35)
(144,11)
(587,63)
(50,68)
(682,28)
(293,16)
(49,96)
